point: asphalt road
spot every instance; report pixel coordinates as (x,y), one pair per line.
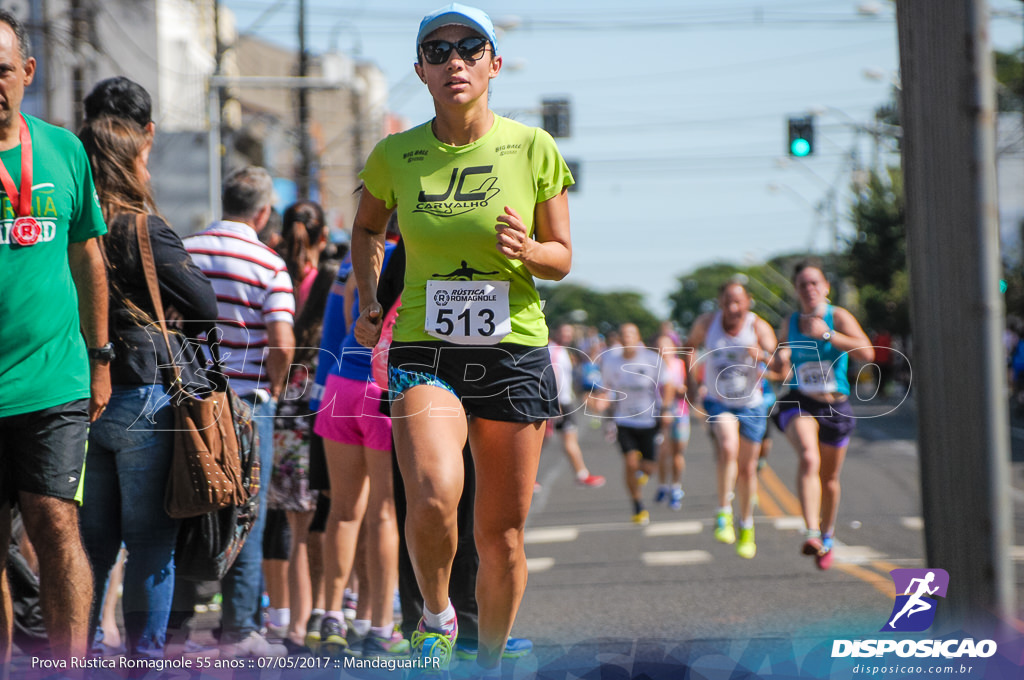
(601,587)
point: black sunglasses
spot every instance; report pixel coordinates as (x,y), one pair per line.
(439,51)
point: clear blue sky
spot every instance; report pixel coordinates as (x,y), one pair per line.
(679,112)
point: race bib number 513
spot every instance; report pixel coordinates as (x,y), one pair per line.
(468,312)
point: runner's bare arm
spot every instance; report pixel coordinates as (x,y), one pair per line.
(367,259)
(780,363)
(548,255)
(90,274)
(765,339)
(849,337)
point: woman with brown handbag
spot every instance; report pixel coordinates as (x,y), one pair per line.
(130,446)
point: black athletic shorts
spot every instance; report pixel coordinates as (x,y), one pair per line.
(318,524)
(43,452)
(642,439)
(318,477)
(506,382)
(277,536)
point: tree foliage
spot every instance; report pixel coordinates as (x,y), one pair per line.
(876,258)
(1010,79)
(569,302)
(768,282)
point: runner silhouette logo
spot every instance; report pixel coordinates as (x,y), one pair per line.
(915,606)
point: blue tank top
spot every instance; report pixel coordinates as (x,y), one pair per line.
(820,368)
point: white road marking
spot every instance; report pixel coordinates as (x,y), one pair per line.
(1017,553)
(551,535)
(915,523)
(789,523)
(675,557)
(535,565)
(857,554)
(674,528)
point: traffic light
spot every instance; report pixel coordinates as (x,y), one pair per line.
(801,136)
(574,168)
(555,113)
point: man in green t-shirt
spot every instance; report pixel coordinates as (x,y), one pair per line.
(54,365)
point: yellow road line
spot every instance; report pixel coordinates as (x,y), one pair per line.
(767,503)
(883,566)
(883,584)
(790,503)
(880,583)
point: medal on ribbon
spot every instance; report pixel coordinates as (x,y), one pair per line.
(26,229)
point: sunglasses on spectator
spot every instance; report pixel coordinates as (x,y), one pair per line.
(469,49)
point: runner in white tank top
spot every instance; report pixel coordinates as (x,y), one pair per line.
(737,343)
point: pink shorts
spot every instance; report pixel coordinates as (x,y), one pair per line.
(351,414)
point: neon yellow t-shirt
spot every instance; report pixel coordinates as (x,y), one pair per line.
(448,200)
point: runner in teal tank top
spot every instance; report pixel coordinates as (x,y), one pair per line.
(482,205)
(816,344)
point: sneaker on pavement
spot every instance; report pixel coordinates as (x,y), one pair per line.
(434,646)
(812,546)
(662,494)
(724,531)
(295,649)
(823,559)
(643,518)
(514,648)
(745,547)
(591,481)
(675,501)
(384,647)
(275,632)
(350,603)
(313,631)
(252,644)
(332,637)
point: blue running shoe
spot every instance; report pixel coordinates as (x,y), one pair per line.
(675,502)
(514,648)
(662,494)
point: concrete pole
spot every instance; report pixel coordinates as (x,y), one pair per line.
(957,311)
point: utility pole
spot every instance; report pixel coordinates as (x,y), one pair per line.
(303,180)
(81,35)
(957,311)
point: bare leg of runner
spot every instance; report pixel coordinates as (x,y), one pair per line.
(802,433)
(430,430)
(506,457)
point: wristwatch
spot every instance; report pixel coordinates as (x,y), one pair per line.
(826,336)
(104,354)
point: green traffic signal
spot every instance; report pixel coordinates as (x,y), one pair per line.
(801,136)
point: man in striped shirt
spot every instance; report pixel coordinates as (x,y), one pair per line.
(256,312)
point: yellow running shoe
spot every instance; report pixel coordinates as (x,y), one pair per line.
(643,518)
(745,547)
(724,532)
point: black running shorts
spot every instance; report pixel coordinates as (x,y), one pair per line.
(642,439)
(505,382)
(43,452)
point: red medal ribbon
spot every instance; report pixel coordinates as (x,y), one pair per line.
(26,230)
(21,201)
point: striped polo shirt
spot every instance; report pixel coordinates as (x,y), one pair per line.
(253,289)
